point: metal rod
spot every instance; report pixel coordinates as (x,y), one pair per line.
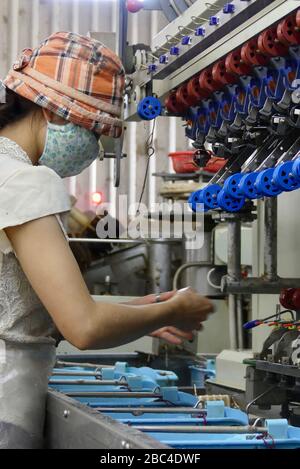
(125,394)
(96,382)
(200,429)
(270,251)
(110,241)
(153,410)
(123,241)
(76,373)
(258,285)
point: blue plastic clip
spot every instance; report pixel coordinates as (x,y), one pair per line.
(200,31)
(214,21)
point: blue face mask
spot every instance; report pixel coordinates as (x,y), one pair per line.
(69,149)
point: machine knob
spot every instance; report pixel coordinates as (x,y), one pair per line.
(133,6)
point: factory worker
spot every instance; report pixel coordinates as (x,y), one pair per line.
(60,98)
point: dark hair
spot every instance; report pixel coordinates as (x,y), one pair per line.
(15,108)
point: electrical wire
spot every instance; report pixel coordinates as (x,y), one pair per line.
(150,151)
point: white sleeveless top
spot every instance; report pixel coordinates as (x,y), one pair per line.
(27,193)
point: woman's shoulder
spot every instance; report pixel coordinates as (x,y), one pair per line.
(28,192)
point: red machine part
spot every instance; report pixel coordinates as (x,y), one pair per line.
(234,64)
(288,32)
(133,6)
(268,44)
(173,106)
(221,76)
(206,81)
(251,55)
(194,90)
(290,298)
(184,98)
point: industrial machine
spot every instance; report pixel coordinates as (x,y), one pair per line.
(231,72)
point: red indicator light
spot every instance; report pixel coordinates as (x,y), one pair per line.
(97,198)
(133,6)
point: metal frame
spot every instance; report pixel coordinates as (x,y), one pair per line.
(270,282)
(72,425)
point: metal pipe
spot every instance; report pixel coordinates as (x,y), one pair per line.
(186,266)
(125,394)
(239,318)
(232,322)
(234,249)
(233,273)
(270,250)
(154,410)
(200,429)
(73,382)
(159,267)
(258,285)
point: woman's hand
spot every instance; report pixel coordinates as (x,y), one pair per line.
(189,309)
(172,335)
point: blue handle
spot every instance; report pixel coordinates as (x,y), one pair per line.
(251,324)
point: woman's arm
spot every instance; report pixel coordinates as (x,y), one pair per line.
(52,270)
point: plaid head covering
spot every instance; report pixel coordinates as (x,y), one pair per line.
(75,77)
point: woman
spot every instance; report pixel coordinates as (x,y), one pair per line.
(60,98)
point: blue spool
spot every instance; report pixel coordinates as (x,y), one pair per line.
(247,186)
(296,169)
(149,108)
(284,177)
(210,196)
(228,203)
(231,186)
(266,185)
(196,202)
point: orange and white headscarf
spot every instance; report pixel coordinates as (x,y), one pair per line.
(75,77)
